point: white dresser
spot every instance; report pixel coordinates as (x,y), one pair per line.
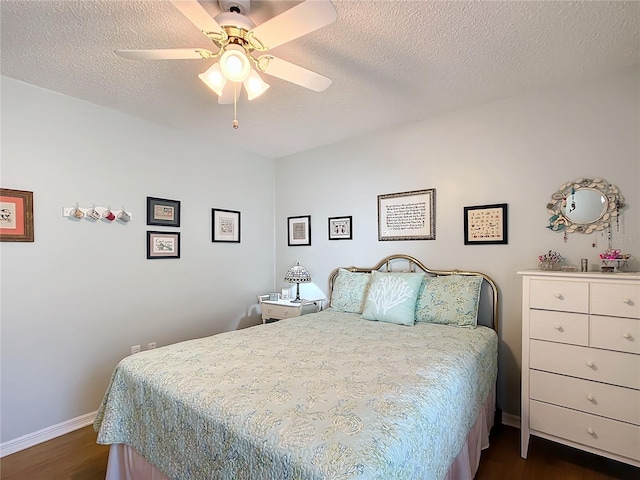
(581,361)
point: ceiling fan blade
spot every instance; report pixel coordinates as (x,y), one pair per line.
(167,54)
(230,92)
(298,21)
(197,15)
(297,74)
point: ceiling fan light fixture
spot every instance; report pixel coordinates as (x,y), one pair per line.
(214,79)
(255,85)
(235,65)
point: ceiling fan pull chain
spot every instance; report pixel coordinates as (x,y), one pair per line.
(235,122)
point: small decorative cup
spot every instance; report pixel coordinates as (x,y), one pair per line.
(76,212)
(108,215)
(92,213)
(124,216)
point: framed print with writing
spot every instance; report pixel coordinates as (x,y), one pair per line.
(486,225)
(163,245)
(299,230)
(163,212)
(407,215)
(225,225)
(340,228)
(16,215)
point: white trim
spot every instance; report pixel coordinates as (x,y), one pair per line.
(510,420)
(31,439)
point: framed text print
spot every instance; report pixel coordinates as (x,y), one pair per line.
(16,215)
(407,215)
(486,225)
(163,245)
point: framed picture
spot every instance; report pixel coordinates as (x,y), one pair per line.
(407,215)
(225,225)
(16,215)
(163,212)
(486,225)
(340,228)
(163,245)
(299,230)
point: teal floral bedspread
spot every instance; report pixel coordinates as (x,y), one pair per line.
(322,396)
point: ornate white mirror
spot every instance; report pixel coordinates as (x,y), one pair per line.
(584,206)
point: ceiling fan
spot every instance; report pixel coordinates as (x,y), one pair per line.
(240,45)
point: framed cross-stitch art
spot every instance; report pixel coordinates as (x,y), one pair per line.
(340,228)
(16,215)
(163,245)
(486,225)
(163,212)
(407,215)
(299,230)
(225,225)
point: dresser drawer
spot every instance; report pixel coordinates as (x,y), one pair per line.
(616,299)
(278,311)
(559,326)
(613,333)
(558,295)
(601,399)
(615,368)
(597,432)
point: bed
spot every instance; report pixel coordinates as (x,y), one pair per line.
(394,380)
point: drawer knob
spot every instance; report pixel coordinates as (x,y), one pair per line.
(591,432)
(626,335)
(557,295)
(286,312)
(626,300)
(559,328)
(590,398)
(590,364)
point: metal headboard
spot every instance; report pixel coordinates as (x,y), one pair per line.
(488,311)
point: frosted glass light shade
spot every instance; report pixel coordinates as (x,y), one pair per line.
(255,85)
(214,79)
(235,65)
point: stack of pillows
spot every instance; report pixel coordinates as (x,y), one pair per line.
(406,298)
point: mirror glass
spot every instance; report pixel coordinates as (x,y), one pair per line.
(584,206)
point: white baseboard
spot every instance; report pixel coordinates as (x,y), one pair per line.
(511,420)
(31,439)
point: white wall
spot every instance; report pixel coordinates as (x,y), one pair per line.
(77,299)
(517,151)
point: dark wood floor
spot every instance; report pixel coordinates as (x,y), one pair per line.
(76,456)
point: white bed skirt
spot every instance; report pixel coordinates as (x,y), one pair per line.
(127,464)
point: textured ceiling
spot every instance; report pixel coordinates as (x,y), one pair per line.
(391,62)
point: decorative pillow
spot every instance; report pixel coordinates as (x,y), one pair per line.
(349,291)
(450,299)
(392,297)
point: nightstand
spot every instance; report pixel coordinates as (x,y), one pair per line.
(281,309)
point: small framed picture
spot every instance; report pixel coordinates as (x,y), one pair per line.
(163,245)
(299,230)
(285,294)
(163,212)
(225,225)
(340,228)
(486,225)
(274,297)
(16,215)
